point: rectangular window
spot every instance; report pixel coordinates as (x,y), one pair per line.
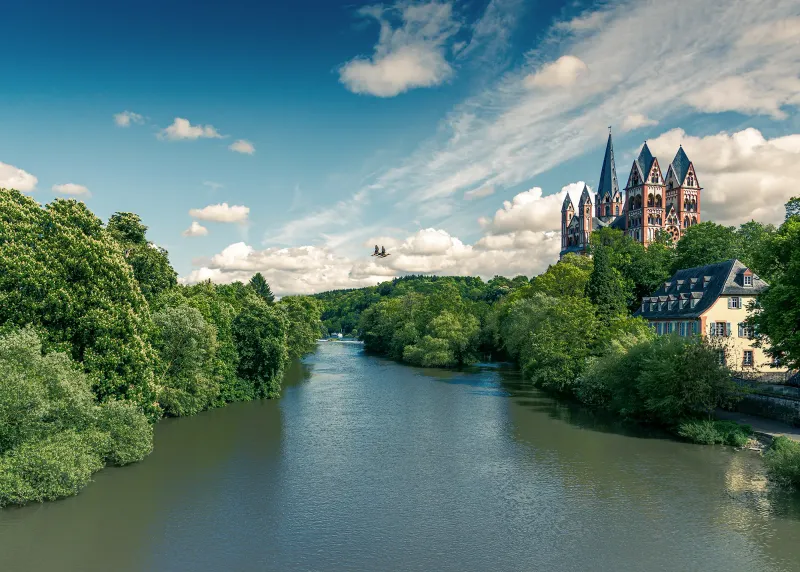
(721,357)
(659,328)
(734,303)
(652,307)
(694,327)
(748,280)
(748,357)
(718,329)
(683,329)
(745,331)
(669,328)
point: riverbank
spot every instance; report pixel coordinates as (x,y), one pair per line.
(768,428)
(365,464)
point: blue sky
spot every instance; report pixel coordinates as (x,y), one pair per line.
(288,137)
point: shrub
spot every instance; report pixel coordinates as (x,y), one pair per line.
(783,460)
(130,435)
(715,432)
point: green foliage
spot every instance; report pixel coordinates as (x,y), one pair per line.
(63,273)
(662,380)
(150,263)
(550,338)
(715,432)
(569,277)
(53,434)
(450,341)
(303,323)
(605,287)
(259,332)
(706,243)
(783,460)
(186,347)
(259,284)
(793,208)
(778,315)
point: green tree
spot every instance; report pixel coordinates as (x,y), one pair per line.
(777,319)
(303,319)
(605,287)
(150,263)
(568,277)
(259,331)
(186,346)
(706,243)
(793,208)
(62,272)
(259,284)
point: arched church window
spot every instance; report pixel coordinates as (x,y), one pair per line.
(658,200)
(690,180)
(685,222)
(654,176)
(650,200)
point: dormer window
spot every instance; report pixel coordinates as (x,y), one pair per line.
(748,280)
(694,302)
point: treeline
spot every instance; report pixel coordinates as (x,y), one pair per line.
(98,341)
(571,329)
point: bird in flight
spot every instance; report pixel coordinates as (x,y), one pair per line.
(381,253)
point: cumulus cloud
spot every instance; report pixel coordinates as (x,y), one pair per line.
(635,121)
(71,189)
(196,229)
(182,129)
(126,118)
(242,146)
(222,213)
(411,55)
(563,72)
(12,177)
(744,175)
(532,211)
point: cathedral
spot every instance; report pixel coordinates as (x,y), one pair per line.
(652,201)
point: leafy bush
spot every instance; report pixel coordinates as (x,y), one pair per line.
(259,332)
(715,432)
(783,460)
(53,433)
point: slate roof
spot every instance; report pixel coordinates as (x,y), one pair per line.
(608,174)
(645,161)
(703,285)
(680,164)
(567,203)
(585,196)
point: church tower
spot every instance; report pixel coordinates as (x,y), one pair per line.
(645,192)
(585,210)
(608,197)
(567,212)
(683,194)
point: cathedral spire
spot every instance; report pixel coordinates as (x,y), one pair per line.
(608,174)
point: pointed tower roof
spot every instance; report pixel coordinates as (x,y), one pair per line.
(680,164)
(567,203)
(645,160)
(608,174)
(585,196)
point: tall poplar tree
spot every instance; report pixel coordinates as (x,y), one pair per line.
(605,288)
(259,284)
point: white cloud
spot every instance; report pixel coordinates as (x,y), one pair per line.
(222,213)
(182,129)
(480,192)
(744,175)
(563,72)
(213,185)
(531,211)
(125,118)
(242,146)
(196,229)
(12,177)
(406,57)
(637,120)
(71,189)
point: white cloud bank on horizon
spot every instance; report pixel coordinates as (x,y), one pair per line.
(71,189)
(222,213)
(406,57)
(12,177)
(182,129)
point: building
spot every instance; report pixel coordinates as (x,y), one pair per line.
(712,300)
(652,201)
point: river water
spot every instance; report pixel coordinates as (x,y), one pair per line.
(368,465)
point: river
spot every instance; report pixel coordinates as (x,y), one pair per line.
(368,465)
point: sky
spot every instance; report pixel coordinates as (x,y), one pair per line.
(289,138)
